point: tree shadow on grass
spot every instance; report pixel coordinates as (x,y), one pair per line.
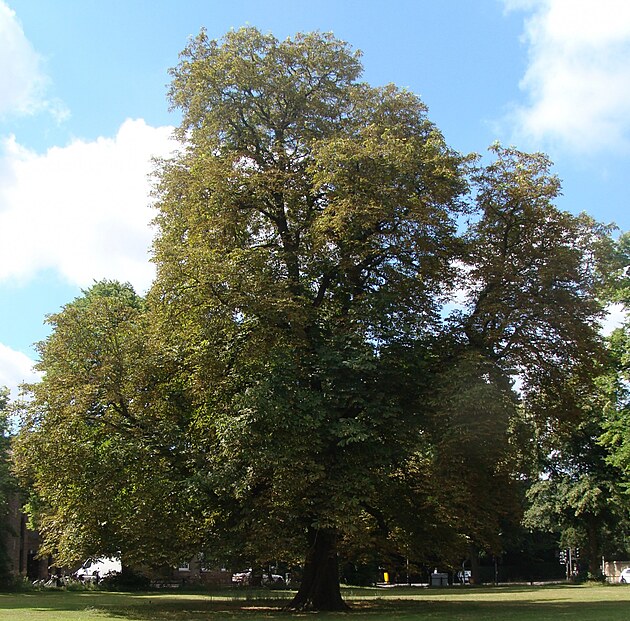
(145,606)
(182,607)
(197,610)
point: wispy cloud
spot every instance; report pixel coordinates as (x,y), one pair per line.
(578,77)
(82,210)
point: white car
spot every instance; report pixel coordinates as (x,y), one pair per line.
(244,578)
(464,576)
(625,575)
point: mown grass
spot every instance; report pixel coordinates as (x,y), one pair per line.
(549,603)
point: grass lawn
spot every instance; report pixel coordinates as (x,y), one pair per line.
(549,603)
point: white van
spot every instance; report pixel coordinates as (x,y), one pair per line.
(94,569)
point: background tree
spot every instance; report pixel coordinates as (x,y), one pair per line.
(101,458)
(617,421)
(530,273)
(580,495)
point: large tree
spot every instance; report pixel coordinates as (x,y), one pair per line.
(534,277)
(292,385)
(533,272)
(528,277)
(306,245)
(306,232)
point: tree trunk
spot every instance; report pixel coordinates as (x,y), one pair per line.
(475,572)
(256,576)
(593,551)
(319,589)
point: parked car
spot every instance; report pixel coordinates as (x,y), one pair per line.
(244,578)
(464,575)
(625,575)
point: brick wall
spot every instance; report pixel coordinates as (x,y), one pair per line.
(22,545)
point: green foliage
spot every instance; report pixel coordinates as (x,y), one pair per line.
(616,432)
(581,495)
(616,436)
(126,581)
(4,443)
(99,456)
(616,283)
(461,477)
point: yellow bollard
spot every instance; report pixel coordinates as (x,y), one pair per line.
(386,578)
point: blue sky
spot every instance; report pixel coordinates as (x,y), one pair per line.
(83,109)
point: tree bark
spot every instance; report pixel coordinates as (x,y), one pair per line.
(319,589)
(256,576)
(593,550)
(475,572)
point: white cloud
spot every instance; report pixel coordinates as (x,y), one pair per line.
(15,368)
(82,210)
(23,81)
(578,75)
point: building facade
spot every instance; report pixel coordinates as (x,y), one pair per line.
(22,545)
